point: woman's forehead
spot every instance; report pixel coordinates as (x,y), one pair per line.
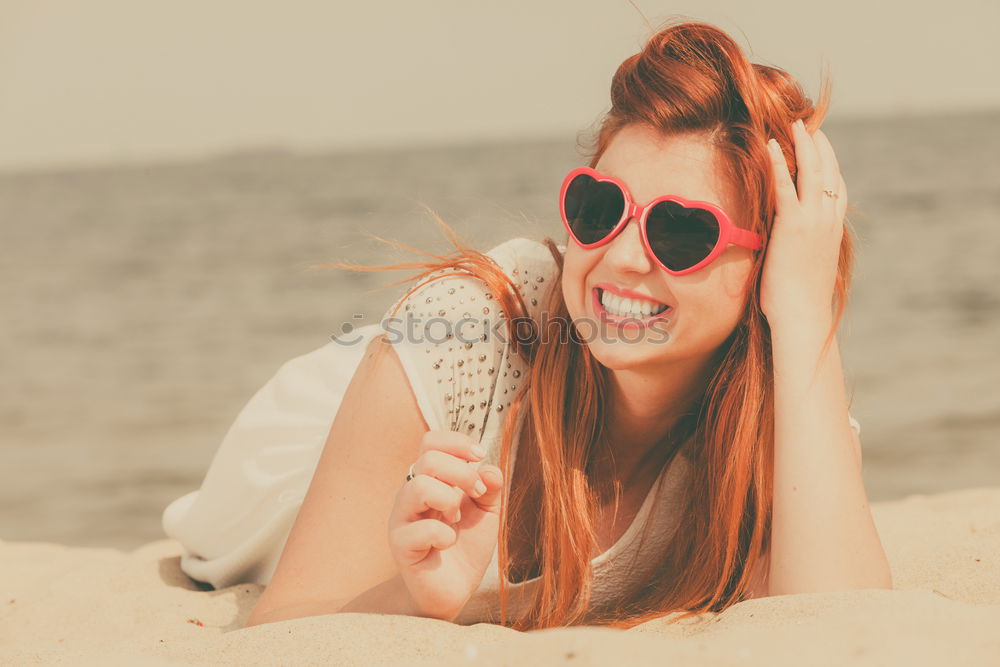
(653,164)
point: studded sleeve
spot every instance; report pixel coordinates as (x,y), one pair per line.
(450,337)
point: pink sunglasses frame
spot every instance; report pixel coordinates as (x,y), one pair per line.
(728,232)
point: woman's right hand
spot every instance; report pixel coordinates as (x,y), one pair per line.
(444,524)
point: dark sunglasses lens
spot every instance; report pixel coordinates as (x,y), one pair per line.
(593,208)
(681,237)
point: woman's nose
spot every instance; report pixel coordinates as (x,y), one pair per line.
(626,252)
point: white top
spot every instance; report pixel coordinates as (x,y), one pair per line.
(463,373)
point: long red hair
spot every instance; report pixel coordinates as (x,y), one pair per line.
(689,77)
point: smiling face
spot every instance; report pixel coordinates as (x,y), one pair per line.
(705,306)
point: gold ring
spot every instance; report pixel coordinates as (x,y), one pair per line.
(830,193)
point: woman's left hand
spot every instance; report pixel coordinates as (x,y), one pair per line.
(800,267)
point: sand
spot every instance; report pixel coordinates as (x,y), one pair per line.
(73,605)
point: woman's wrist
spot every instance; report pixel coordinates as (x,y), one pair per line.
(390,597)
(803,322)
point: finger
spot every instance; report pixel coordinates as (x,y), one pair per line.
(831,176)
(451,442)
(829,155)
(492,477)
(783,186)
(451,470)
(423,493)
(842,201)
(413,540)
(809,167)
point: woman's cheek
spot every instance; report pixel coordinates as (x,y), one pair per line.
(574,278)
(732,277)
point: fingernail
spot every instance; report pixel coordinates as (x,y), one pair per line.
(480,488)
(772,144)
(479,450)
(801,125)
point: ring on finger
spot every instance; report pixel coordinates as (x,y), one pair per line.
(829,192)
(410,475)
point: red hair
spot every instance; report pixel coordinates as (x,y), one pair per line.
(689,78)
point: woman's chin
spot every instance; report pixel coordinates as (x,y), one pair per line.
(628,352)
(620,345)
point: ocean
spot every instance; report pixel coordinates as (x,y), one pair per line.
(144,304)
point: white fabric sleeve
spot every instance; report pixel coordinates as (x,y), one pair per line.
(450,336)
(233,529)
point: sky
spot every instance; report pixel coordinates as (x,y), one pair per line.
(112,81)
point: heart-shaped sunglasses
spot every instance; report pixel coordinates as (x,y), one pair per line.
(681,235)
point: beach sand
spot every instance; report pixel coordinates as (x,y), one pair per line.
(73,605)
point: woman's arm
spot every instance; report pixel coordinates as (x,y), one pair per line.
(337,556)
(389,597)
(823,536)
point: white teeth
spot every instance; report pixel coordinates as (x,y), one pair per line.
(635,308)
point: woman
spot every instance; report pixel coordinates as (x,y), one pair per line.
(670,377)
